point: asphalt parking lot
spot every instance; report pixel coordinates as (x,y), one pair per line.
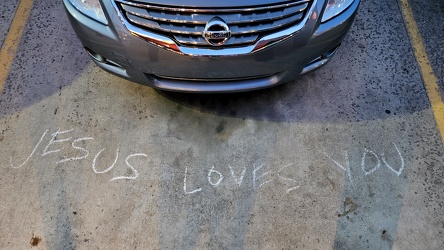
(348,157)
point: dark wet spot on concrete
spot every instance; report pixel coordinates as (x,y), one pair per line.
(384,235)
(349,207)
(35,241)
(220,127)
(332,183)
(387,111)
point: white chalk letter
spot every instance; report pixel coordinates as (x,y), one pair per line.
(221,177)
(53,140)
(109,168)
(86,152)
(185,184)
(287,178)
(32,152)
(261,176)
(347,164)
(238,180)
(397,172)
(132,169)
(363,162)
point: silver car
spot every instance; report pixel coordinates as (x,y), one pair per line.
(211,46)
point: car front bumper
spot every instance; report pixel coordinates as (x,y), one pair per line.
(114,48)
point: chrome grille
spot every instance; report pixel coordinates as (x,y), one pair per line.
(186,25)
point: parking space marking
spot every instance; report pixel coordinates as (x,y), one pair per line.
(12,40)
(429,77)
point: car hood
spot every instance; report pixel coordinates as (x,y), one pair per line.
(213,4)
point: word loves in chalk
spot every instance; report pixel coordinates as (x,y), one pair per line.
(260,175)
(55,146)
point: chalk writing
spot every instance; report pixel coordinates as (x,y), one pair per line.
(287,178)
(135,173)
(363,165)
(54,141)
(366,158)
(32,152)
(255,178)
(221,177)
(399,171)
(347,164)
(236,179)
(107,169)
(73,144)
(260,175)
(185,184)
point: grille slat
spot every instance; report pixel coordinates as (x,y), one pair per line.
(263,27)
(186,25)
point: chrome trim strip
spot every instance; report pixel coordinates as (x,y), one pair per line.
(265,42)
(229,42)
(197,10)
(148,17)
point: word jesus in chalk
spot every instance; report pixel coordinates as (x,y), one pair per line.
(260,177)
(55,146)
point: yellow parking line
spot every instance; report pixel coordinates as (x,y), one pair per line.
(430,81)
(12,40)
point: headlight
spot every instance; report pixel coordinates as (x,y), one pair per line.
(90,8)
(334,8)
